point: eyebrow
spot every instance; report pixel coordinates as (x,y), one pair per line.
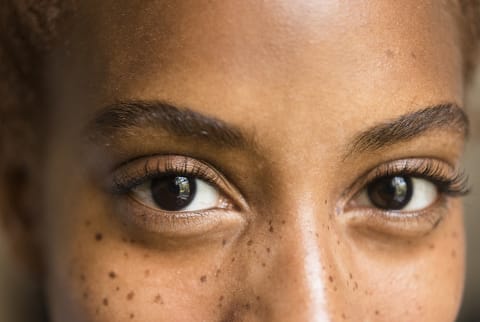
(180,121)
(443,116)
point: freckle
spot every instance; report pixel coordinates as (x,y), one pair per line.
(85,295)
(413,55)
(350,275)
(221,298)
(146,256)
(117,288)
(147,272)
(377,312)
(82,277)
(217,272)
(431,246)
(317,235)
(355,286)
(105,302)
(330,278)
(250,242)
(454,234)
(258,298)
(325,201)
(247,306)
(328,227)
(158,299)
(268,249)
(338,242)
(124,239)
(283,222)
(132,241)
(344,316)
(454,254)
(224,242)
(132,315)
(112,275)
(98,236)
(270,229)
(389,53)
(203,278)
(334,288)
(87,223)
(125,254)
(263,264)
(130,296)
(233,259)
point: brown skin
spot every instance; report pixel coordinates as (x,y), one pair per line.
(303,78)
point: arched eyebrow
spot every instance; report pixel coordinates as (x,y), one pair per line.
(121,117)
(448,116)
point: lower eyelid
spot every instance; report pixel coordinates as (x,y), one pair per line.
(177,224)
(396,223)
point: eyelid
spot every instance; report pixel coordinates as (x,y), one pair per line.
(439,172)
(448,180)
(138,171)
(231,215)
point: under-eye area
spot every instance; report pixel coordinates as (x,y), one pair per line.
(175,196)
(404,198)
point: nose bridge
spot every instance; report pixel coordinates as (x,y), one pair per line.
(297,271)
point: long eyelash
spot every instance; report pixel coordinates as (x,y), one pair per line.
(451,184)
(125,182)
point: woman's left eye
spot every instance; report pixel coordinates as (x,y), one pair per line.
(398,193)
(177,193)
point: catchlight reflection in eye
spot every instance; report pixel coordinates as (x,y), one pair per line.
(177,193)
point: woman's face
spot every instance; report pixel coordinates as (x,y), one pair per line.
(307,174)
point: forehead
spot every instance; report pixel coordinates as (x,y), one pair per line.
(262,60)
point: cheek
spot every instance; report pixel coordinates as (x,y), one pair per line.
(109,277)
(414,281)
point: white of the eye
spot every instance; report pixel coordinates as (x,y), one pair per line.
(424,194)
(206,196)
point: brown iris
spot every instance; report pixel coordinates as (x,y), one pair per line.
(391,192)
(173,193)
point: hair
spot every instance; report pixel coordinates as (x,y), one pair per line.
(29,28)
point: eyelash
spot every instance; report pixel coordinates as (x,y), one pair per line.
(452,184)
(124,182)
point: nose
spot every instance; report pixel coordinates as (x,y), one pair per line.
(294,286)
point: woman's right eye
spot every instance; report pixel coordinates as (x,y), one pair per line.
(176,196)
(177,193)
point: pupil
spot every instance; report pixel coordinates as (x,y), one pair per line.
(392,193)
(173,193)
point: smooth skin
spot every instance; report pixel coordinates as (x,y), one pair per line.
(300,80)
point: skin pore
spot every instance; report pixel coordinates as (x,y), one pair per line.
(288,109)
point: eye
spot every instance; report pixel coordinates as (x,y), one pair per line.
(176,197)
(400,193)
(177,193)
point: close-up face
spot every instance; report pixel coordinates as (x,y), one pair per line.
(254,161)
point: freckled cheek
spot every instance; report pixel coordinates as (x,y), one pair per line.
(114,278)
(425,277)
